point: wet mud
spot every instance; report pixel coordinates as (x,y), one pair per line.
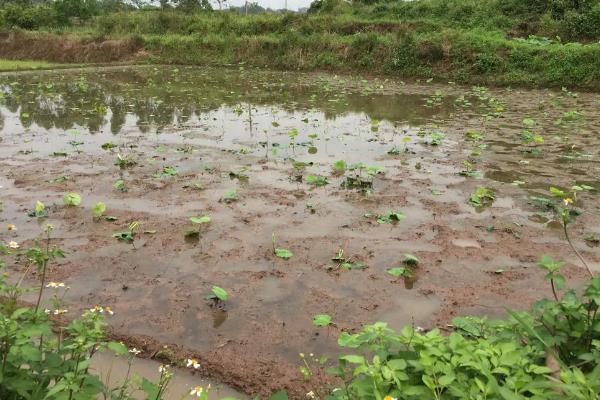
(195,135)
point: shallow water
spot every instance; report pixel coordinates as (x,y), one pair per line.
(263,133)
(112,370)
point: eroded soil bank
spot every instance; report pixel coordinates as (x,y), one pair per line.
(18,45)
(240,146)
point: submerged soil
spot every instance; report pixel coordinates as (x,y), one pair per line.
(196,134)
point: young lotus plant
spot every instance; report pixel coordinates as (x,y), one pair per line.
(199,222)
(218,296)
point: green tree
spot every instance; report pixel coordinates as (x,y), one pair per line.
(68,9)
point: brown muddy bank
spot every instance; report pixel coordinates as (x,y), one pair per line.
(262,134)
(64,48)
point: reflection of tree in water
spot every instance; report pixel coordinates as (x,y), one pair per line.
(63,107)
(118,110)
(158,95)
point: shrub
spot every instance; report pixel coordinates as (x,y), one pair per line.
(552,352)
(16,16)
(66,10)
(44,358)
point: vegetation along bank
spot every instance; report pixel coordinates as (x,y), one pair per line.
(534,42)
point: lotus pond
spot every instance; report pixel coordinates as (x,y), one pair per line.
(248,216)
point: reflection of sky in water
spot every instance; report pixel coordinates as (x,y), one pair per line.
(254,112)
(230,111)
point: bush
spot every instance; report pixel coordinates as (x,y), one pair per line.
(582,25)
(44,358)
(487,63)
(552,352)
(67,10)
(16,16)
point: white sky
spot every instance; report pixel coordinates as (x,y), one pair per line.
(274,4)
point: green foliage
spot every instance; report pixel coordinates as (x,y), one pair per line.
(13,14)
(66,10)
(481,197)
(218,293)
(410,259)
(390,217)
(39,210)
(506,359)
(99,209)
(230,196)
(397,272)
(204,219)
(56,369)
(39,363)
(340,166)
(316,180)
(166,172)
(344,262)
(127,236)
(322,320)
(283,253)
(125,161)
(458,40)
(72,199)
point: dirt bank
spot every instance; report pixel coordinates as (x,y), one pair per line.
(66,48)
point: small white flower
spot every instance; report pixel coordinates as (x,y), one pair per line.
(135,351)
(192,363)
(197,391)
(310,395)
(13,245)
(55,285)
(101,310)
(47,311)
(60,311)
(162,368)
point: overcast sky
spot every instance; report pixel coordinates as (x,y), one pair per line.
(275,4)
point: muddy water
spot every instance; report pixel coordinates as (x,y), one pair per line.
(112,370)
(263,134)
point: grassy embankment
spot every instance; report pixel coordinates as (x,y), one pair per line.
(18,65)
(465,41)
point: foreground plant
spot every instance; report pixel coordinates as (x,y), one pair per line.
(562,204)
(199,222)
(280,252)
(551,352)
(128,236)
(45,357)
(218,296)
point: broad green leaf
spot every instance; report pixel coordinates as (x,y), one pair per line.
(283,253)
(354,359)
(200,220)
(72,199)
(220,293)
(99,209)
(322,320)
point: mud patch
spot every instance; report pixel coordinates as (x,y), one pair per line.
(19,45)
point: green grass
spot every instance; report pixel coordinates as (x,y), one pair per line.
(18,65)
(466,41)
